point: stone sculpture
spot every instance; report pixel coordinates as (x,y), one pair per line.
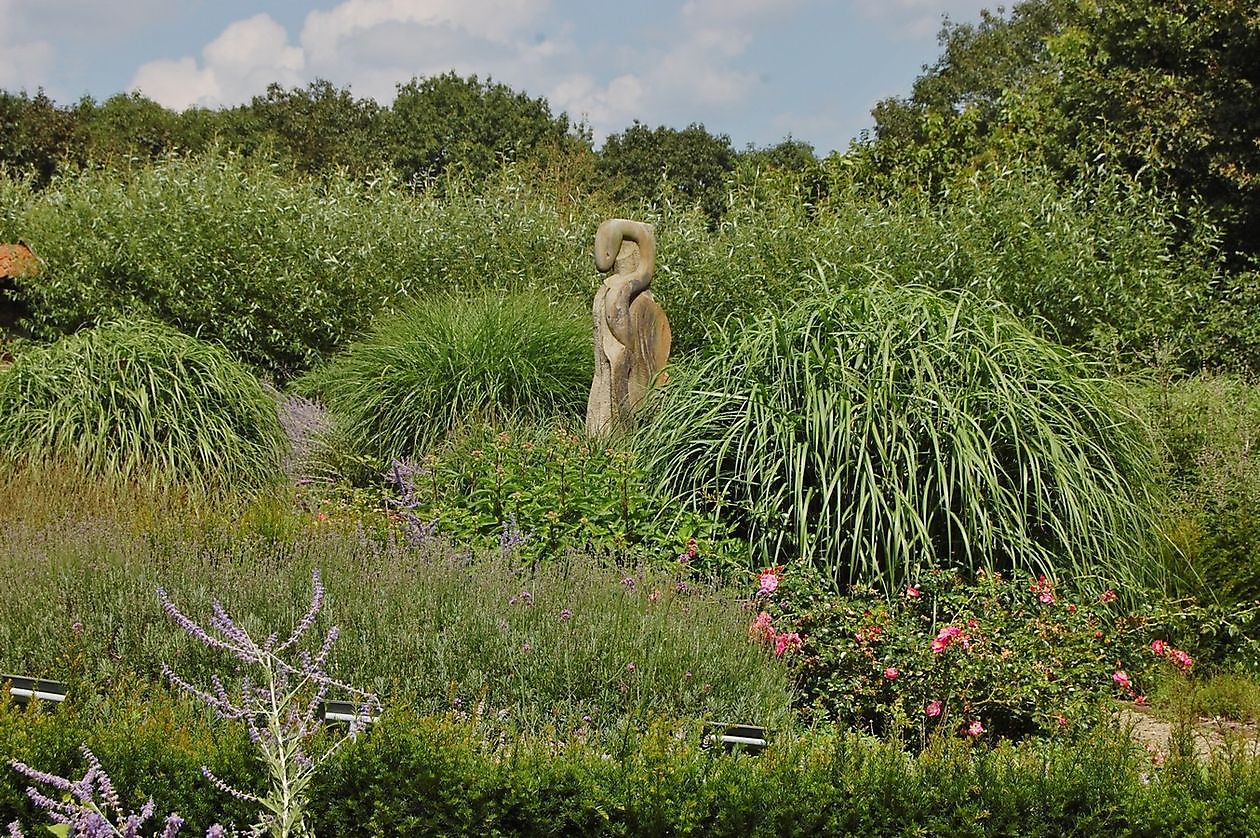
(632,334)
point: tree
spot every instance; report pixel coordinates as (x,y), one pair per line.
(319,128)
(448,122)
(644,163)
(1167,90)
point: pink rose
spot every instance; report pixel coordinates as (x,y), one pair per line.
(1159,647)
(891,673)
(913,592)
(975,728)
(933,709)
(1122,679)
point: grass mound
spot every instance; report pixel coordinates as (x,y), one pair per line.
(137,401)
(876,431)
(449,360)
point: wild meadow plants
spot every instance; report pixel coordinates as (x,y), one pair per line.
(876,432)
(433,626)
(138,401)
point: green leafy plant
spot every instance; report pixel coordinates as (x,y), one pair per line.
(134,400)
(452,360)
(558,490)
(873,432)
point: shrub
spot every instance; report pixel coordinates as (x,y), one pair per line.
(418,776)
(873,432)
(451,360)
(134,400)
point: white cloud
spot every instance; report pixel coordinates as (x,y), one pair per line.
(177,83)
(918,19)
(25,60)
(239,64)
(492,20)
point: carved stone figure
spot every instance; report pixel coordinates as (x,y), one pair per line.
(632,334)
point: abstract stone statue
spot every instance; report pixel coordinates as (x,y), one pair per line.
(632,335)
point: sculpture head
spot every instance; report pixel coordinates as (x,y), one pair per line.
(611,234)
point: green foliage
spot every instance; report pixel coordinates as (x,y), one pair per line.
(872,433)
(561,492)
(1205,433)
(151,745)
(1030,657)
(270,267)
(648,164)
(134,400)
(447,122)
(1079,85)
(451,360)
(320,129)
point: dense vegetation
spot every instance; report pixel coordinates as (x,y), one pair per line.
(957,451)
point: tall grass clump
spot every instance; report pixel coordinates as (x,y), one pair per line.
(450,359)
(137,401)
(875,431)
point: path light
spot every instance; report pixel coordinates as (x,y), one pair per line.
(348,712)
(735,738)
(24,689)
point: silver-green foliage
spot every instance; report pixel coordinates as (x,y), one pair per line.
(442,362)
(135,400)
(874,432)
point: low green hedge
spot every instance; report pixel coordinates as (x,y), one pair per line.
(414,775)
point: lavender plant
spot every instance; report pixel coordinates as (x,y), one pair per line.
(281,710)
(79,813)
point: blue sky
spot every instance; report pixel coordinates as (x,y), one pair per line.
(756,70)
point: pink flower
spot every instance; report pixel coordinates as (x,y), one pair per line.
(933,709)
(975,728)
(1158,758)
(1182,659)
(913,592)
(786,642)
(1159,647)
(761,628)
(566,614)
(654,596)
(629,582)
(1061,721)
(947,636)
(1108,596)
(631,668)
(767,581)
(1122,679)
(891,673)
(1044,589)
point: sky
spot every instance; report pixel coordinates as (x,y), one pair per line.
(756,70)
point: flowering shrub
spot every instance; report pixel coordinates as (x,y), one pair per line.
(994,656)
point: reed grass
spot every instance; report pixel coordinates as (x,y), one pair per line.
(874,432)
(138,401)
(452,359)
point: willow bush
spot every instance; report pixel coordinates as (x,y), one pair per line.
(138,401)
(874,432)
(442,362)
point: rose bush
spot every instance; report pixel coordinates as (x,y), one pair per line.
(995,655)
